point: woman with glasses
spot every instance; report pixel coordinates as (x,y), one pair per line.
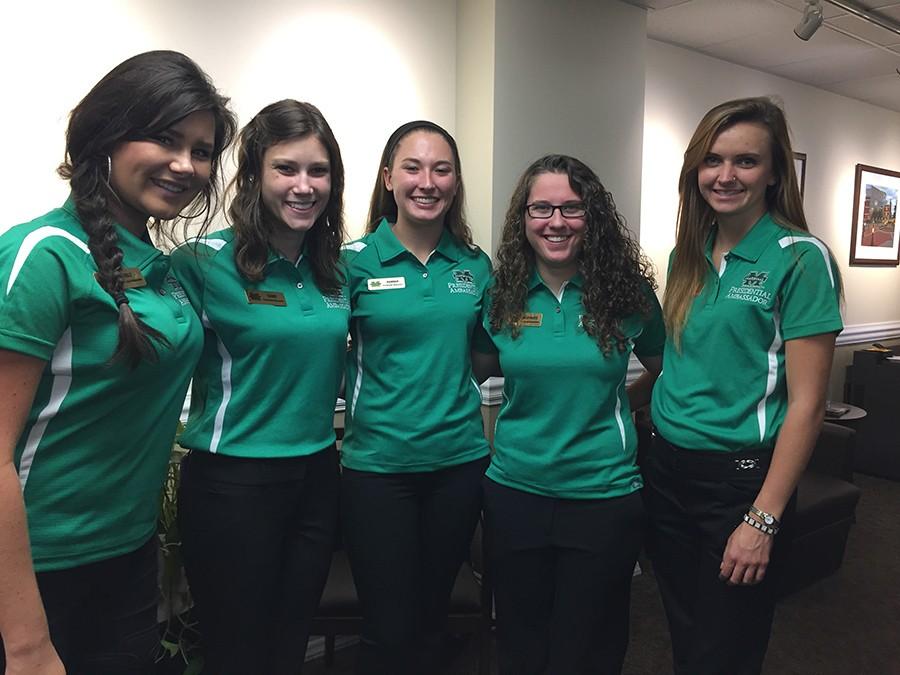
(414,451)
(571,301)
(97,345)
(752,308)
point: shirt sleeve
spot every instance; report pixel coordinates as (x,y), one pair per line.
(189,263)
(36,296)
(481,340)
(809,298)
(652,339)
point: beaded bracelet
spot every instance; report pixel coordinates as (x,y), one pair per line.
(762,527)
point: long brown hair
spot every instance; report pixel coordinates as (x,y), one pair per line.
(696,217)
(616,275)
(384,205)
(253,223)
(137,99)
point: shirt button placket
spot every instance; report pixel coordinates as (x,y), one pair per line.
(427,283)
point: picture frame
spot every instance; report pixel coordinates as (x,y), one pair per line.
(800,168)
(874,239)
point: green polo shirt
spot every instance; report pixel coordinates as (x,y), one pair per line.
(412,404)
(565,428)
(726,390)
(93,454)
(273,354)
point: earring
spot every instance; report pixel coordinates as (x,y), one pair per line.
(108,167)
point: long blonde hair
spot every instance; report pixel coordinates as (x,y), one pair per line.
(696,217)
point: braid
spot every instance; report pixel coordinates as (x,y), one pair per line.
(135,337)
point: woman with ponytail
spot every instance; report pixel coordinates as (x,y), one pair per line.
(97,345)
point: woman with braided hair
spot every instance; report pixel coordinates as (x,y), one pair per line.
(97,344)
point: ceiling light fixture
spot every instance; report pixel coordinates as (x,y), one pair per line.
(812,19)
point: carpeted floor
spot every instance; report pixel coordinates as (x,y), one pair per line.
(848,624)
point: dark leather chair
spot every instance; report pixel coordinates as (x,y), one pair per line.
(471,605)
(826,508)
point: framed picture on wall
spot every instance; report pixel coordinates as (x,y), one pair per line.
(800,168)
(874,240)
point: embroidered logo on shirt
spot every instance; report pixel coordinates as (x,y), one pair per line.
(752,289)
(338,301)
(386,283)
(176,290)
(755,279)
(463,282)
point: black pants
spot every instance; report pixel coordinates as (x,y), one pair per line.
(102,616)
(562,573)
(257,541)
(695,500)
(407,535)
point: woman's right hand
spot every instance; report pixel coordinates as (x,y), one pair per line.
(40,660)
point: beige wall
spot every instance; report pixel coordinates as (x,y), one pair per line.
(569,78)
(835,132)
(369,66)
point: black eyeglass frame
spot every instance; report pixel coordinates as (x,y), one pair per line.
(577,210)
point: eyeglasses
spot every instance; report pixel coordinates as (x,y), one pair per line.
(545,210)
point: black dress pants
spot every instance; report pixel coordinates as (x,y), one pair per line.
(562,572)
(407,535)
(102,616)
(257,541)
(695,500)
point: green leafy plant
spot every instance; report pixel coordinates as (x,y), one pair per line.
(180,636)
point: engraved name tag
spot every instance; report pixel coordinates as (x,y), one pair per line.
(531,320)
(386,283)
(265,298)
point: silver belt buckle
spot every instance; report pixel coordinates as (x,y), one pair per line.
(746,464)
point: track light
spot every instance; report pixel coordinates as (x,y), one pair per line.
(812,19)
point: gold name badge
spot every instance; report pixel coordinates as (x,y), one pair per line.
(531,320)
(265,298)
(132,278)
(386,283)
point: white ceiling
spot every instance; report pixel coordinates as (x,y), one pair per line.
(847,55)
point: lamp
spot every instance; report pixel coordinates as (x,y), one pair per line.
(812,19)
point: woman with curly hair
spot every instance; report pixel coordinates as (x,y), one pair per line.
(752,306)
(97,347)
(415,450)
(572,299)
(259,489)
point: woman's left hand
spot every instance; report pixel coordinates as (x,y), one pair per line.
(746,556)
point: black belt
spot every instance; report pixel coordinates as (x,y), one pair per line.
(711,464)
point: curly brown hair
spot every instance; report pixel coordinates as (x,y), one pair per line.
(616,275)
(250,219)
